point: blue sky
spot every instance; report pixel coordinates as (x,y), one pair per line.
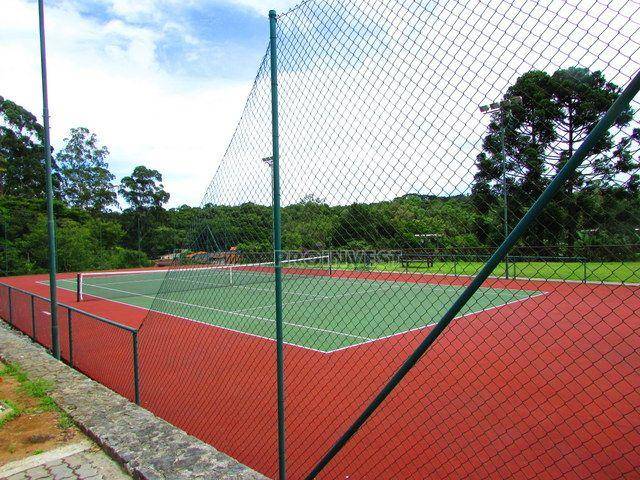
(161,82)
(207,39)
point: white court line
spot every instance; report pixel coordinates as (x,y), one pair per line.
(435,323)
(271,290)
(368,341)
(230,312)
(320,297)
(127,282)
(213,285)
(84,282)
(210,325)
(394,283)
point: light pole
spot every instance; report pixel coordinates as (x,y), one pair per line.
(55,344)
(490,109)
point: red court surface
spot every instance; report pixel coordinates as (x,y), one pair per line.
(543,388)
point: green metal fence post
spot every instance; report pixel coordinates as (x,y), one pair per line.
(136,369)
(277,242)
(505,197)
(498,256)
(55,341)
(69,327)
(10,313)
(33,316)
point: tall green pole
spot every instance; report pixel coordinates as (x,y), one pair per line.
(504,190)
(277,244)
(55,344)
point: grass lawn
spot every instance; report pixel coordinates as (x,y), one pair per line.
(628,272)
(34,423)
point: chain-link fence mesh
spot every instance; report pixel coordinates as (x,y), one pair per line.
(413,137)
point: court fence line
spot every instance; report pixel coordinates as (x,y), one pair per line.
(73,314)
(427,127)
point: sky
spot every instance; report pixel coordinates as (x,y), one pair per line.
(378,98)
(162,83)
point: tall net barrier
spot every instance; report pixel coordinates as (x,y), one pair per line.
(413,138)
(207,344)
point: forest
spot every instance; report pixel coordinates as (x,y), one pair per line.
(108,223)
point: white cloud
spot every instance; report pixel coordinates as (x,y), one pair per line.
(106,77)
(261,7)
(144,9)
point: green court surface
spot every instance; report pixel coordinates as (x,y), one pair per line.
(322,313)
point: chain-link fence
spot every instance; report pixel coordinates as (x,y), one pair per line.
(102,349)
(405,339)
(413,138)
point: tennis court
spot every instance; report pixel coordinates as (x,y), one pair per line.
(324,311)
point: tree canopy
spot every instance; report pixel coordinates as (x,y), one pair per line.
(540,134)
(22,170)
(537,134)
(87,182)
(143,189)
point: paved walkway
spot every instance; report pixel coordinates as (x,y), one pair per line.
(78,461)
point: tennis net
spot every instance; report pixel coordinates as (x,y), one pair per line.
(149,283)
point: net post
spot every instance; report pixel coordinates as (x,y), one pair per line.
(79,287)
(277,242)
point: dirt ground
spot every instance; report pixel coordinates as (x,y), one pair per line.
(35,430)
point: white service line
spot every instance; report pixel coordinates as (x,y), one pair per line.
(320,297)
(386,337)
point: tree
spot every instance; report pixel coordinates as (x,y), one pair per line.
(360,226)
(540,134)
(144,192)
(22,170)
(86,182)
(307,224)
